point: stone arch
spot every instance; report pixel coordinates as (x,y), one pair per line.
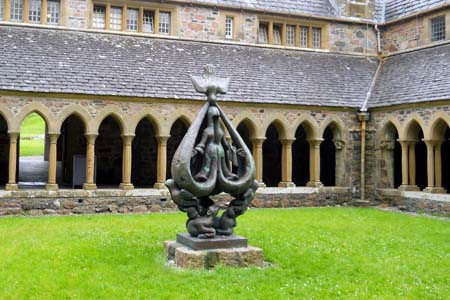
(110,111)
(8,116)
(4,149)
(41,110)
(411,127)
(305,129)
(310,125)
(249,121)
(176,132)
(272,152)
(439,124)
(392,123)
(186,118)
(280,122)
(76,110)
(153,116)
(333,169)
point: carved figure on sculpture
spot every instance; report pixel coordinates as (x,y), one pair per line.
(201,166)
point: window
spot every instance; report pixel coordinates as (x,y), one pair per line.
(34,11)
(438,29)
(290,35)
(115,18)
(164,22)
(229,28)
(149,21)
(304,36)
(16,10)
(132,19)
(316,37)
(53,12)
(98,20)
(277,34)
(2,9)
(262,33)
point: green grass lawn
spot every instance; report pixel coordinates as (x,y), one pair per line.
(321,253)
(33,125)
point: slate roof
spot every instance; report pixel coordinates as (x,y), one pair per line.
(61,61)
(418,76)
(399,8)
(308,7)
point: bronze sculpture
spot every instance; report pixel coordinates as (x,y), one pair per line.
(201,166)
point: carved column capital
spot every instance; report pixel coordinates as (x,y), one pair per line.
(339,144)
(315,143)
(162,139)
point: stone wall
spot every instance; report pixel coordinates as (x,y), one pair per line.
(352,38)
(65,202)
(77,13)
(410,33)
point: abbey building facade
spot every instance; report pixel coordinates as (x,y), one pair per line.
(342,102)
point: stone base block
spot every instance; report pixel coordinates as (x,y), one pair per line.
(12,187)
(186,258)
(409,188)
(314,184)
(126,186)
(159,186)
(435,190)
(218,242)
(286,184)
(89,186)
(51,187)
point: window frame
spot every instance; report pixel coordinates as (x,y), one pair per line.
(432,27)
(9,13)
(229,27)
(299,24)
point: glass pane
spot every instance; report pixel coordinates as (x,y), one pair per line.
(98,20)
(262,35)
(164,22)
(115,18)
(148,23)
(304,36)
(16,10)
(34,11)
(316,37)
(290,35)
(438,29)
(277,34)
(132,19)
(2,9)
(229,28)
(53,12)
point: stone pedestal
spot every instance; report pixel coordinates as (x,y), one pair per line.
(231,251)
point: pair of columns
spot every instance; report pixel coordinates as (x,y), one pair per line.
(434,166)
(286,161)
(90,162)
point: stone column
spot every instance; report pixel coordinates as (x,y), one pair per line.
(126,163)
(286,163)
(51,182)
(90,162)
(438,167)
(12,184)
(258,156)
(412,162)
(161,169)
(314,163)
(434,167)
(408,165)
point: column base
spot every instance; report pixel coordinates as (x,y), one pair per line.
(286,184)
(51,187)
(435,190)
(261,184)
(89,186)
(12,187)
(314,184)
(160,186)
(126,186)
(410,188)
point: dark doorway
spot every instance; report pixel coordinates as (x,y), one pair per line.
(397,162)
(445,151)
(300,158)
(177,132)
(145,152)
(244,132)
(71,147)
(421,162)
(4,151)
(328,159)
(272,157)
(108,152)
